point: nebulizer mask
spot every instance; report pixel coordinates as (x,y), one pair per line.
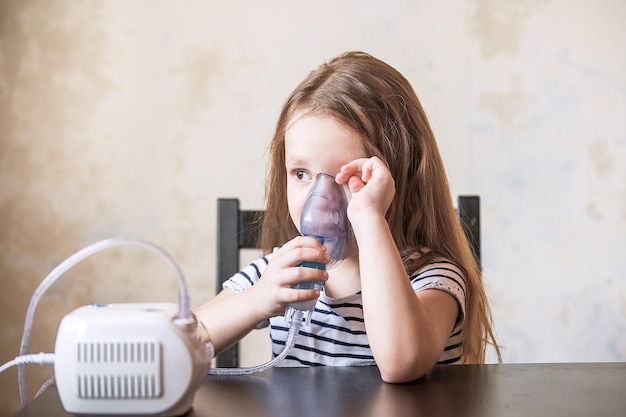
(325,218)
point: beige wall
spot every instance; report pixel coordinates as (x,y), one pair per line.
(133,117)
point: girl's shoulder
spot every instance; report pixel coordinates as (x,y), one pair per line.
(442,274)
(248,275)
(439,268)
(442,265)
(426,260)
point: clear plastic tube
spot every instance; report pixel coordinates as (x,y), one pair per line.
(294,329)
(184,310)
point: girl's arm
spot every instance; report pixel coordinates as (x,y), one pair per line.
(228,317)
(231,315)
(407,331)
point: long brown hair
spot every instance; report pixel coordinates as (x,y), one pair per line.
(378,103)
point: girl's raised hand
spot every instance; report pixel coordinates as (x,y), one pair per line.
(274,290)
(370,183)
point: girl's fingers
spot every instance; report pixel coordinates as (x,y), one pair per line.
(351,169)
(366,170)
(355,184)
(361,168)
(301,249)
(290,295)
(290,276)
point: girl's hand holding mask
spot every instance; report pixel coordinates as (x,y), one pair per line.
(371,186)
(274,291)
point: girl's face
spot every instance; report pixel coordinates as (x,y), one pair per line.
(315,143)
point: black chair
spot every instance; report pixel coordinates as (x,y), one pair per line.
(241,229)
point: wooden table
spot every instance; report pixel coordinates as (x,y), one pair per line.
(558,389)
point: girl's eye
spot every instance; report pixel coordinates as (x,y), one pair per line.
(301,174)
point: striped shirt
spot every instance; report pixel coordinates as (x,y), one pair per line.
(337,336)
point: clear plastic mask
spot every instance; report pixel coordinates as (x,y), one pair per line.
(324,217)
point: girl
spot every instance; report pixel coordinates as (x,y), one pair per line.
(410,293)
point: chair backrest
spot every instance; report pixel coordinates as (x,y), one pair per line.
(241,229)
(236,229)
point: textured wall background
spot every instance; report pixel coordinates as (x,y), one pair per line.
(132,118)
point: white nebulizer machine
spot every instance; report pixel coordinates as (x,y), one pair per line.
(129,358)
(150,358)
(144,358)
